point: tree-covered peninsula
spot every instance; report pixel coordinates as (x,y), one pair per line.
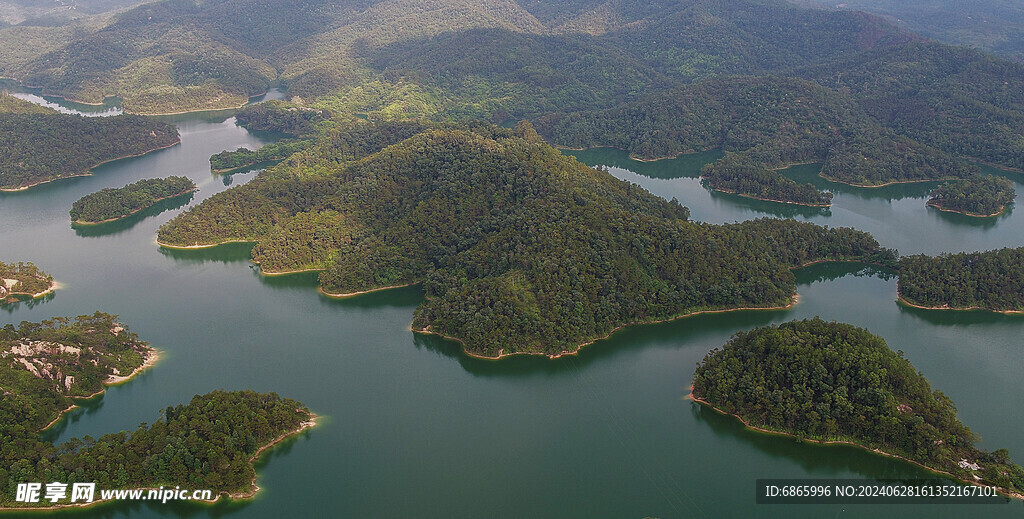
(834,382)
(519,248)
(975,196)
(23,279)
(209,443)
(44,146)
(111,204)
(992,280)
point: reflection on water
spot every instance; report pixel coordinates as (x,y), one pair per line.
(960,317)
(25,302)
(832,271)
(124,224)
(777,209)
(820,461)
(237,252)
(683,166)
(628,342)
(86,407)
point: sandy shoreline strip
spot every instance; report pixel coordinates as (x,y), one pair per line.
(842,442)
(54,286)
(370,291)
(752,197)
(904,301)
(204,246)
(976,215)
(304,426)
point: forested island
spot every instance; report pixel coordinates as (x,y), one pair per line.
(975,196)
(834,382)
(23,279)
(41,146)
(209,443)
(110,204)
(738,173)
(992,280)
(520,249)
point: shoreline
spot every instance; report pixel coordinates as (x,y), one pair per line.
(890,183)
(900,299)
(631,156)
(310,423)
(88,172)
(54,286)
(207,246)
(288,272)
(370,291)
(248,167)
(744,195)
(700,401)
(794,300)
(965,213)
(139,210)
(149,360)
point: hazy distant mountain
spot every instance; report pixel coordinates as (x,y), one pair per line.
(995,25)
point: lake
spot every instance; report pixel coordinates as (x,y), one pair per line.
(414,428)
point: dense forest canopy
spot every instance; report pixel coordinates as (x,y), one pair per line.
(767,123)
(110,204)
(44,145)
(515,59)
(519,248)
(992,280)
(836,382)
(22,279)
(975,196)
(207,443)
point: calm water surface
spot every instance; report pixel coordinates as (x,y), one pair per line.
(413,428)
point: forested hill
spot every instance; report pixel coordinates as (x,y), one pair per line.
(185,54)
(992,280)
(44,145)
(768,123)
(521,59)
(835,382)
(519,248)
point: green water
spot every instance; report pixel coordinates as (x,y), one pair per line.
(415,429)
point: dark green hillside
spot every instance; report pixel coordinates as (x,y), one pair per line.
(769,123)
(111,204)
(976,196)
(833,381)
(519,248)
(992,280)
(956,99)
(40,146)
